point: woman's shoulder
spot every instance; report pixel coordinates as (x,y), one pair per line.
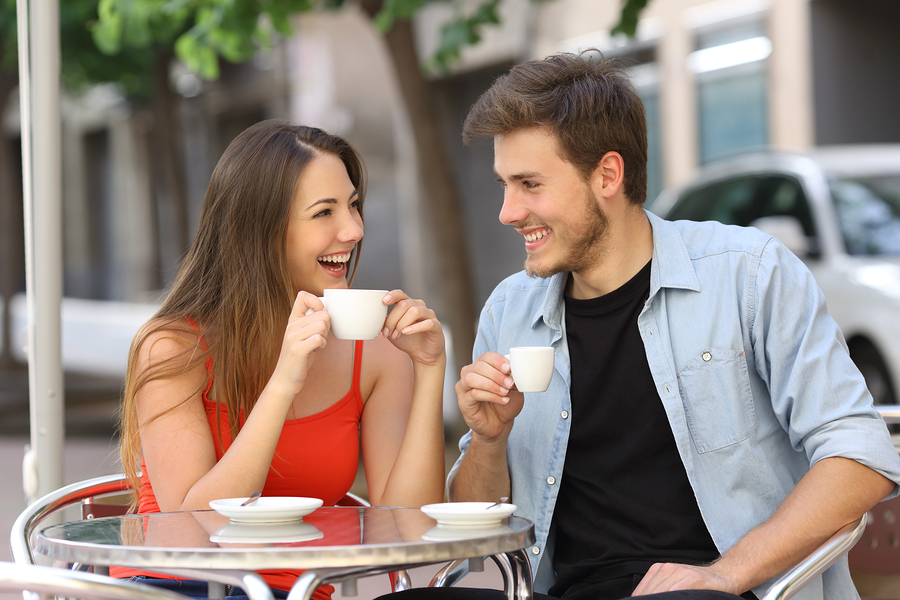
(383,353)
(382,358)
(162,340)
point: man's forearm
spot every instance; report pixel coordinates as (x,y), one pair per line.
(835,492)
(483,474)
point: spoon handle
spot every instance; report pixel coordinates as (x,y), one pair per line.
(252,498)
(502,500)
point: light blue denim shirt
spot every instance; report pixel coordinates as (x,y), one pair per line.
(753,373)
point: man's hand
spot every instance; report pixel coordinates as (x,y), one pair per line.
(665,577)
(489,407)
(487,397)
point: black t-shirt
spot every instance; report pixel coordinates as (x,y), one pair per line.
(625,501)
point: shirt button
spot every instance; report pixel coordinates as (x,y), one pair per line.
(551,480)
(707,356)
(564,414)
(535,550)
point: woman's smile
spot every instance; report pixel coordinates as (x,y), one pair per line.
(335,264)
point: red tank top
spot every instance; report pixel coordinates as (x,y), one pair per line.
(316,456)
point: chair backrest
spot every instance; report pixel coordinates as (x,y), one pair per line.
(816,563)
(86,492)
(48,581)
(40,509)
(878,552)
(350,499)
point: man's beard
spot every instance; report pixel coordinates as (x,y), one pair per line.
(585,250)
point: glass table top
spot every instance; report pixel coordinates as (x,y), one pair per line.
(329,537)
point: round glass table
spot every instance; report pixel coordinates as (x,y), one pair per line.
(331,544)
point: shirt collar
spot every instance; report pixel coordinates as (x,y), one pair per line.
(550,308)
(672,265)
(672,268)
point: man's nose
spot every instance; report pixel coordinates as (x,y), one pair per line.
(513,210)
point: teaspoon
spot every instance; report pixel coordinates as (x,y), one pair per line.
(252,498)
(502,500)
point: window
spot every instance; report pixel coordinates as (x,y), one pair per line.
(743,200)
(725,201)
(869,213)
(732,87)
(641,66)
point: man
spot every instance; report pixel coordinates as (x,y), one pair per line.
(705,428)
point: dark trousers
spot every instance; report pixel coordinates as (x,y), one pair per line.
(615,589)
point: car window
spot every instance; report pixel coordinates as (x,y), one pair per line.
(869,213)
(723,201)
(781,196)
(742,200)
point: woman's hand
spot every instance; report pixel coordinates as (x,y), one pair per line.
(412,327)
(304,334)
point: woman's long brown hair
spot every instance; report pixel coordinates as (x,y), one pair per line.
(234,282)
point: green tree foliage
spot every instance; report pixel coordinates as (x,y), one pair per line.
(202,31)
(128,33)
(82,64)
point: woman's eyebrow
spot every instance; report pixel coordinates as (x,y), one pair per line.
(322,201)
(331,200)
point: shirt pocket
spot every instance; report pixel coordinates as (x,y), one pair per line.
(718,404)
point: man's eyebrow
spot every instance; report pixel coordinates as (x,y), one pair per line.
(520,176)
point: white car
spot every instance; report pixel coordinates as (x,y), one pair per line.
(838,209)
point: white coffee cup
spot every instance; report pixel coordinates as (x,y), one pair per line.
(355,314)
(532,367)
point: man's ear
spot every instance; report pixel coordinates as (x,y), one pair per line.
(609,176)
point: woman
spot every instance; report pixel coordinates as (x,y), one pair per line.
(232,388)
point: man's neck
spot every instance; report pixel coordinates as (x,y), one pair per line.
(628,243)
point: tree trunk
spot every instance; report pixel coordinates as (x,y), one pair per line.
(440,189)
(12,229)
(171,188)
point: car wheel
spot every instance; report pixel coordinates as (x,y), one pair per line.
(871,365)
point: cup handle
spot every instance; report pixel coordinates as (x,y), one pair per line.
(508,359)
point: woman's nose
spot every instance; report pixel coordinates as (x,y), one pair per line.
(352,230)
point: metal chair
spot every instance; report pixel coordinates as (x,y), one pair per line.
(45,582)
(86,493)
(816,563)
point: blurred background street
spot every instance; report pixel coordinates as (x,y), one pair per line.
(142,125)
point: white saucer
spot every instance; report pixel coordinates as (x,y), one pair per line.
(266,509)
(443,533)
(260,533)
(468,514)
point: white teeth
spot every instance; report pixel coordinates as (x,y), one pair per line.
(535,236)
(335,258)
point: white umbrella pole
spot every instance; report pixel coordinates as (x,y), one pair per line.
(39,89)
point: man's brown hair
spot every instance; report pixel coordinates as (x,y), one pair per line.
(585,99)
